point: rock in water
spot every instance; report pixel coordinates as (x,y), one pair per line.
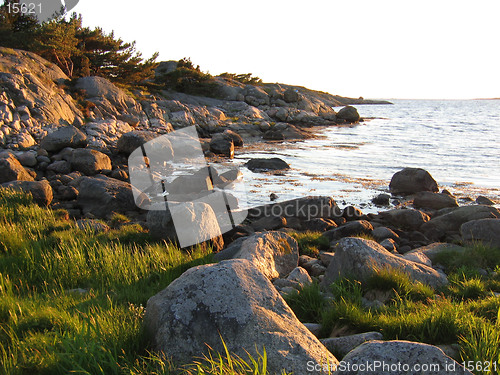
(412,180)
(348,114)
(68,136)
(231,300)
(399,358)
(261,164)
(484,230)
(222,145)
(362,258)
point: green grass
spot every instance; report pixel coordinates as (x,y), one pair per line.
(475,256)
(310,243)
(73,301)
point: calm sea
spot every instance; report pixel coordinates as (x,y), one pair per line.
(457,141)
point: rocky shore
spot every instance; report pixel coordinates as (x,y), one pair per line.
(72,154)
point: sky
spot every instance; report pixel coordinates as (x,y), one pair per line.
(376,49)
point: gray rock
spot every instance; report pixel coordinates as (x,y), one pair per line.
(381,233)
(362,258)
(92,225)
(269,223)
(326,257)
(348,114)
(195,221)
(434,249)
(40,190)
(349,229)
(233,136)
(485,230)
(101,196)
(318,224)
(234,302)
(340,346)
(381,200)
(300,276)
(405,218)
(60,167)
(291,95)
(12,170)
(128,142)
(90,162)
(436,201)
(67,136)
(275,254)
(222,145)
(272,164)
(451,221)
(314,328)
(28,159)
(412,180)
(418,257)
(306,208)
(399,358)
(289,132)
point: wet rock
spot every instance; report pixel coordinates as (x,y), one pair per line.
(89,162)
(484,200)
(412,180)
(348,114)
(68,136)
(362,258)
(262,165)
(222,145)
(400,358)
(435,201)
(485,230)
(231,300)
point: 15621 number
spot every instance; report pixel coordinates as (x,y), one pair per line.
(25,8)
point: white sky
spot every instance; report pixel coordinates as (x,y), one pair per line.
(377,49)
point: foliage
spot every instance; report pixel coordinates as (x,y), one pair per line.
(310,243)
(77,50)
(307,304)
(247,78)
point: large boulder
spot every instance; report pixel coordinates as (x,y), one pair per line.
(275,254)
(435,201)
(439,226)
(128,142)
(262,165)
(348,114)
(412,180)
(89,162)
(40,190)
(67,136)
(433,250)
(12,170)
(188,223)
(101,196)
(230,301)
(399,358)
(405,218)
(362,258)
(484,230)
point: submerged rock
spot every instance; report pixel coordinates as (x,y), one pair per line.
(262,165)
